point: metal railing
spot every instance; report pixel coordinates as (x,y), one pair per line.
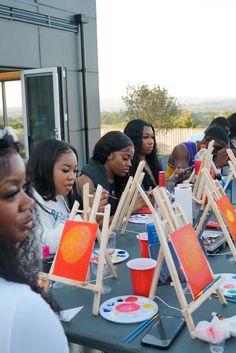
(167,139)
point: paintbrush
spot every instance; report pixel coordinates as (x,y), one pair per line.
(113,197)
(133,334)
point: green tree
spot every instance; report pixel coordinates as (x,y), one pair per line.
(152,104)
(185,120)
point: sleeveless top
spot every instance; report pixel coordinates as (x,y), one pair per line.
(192,150)
(96,171)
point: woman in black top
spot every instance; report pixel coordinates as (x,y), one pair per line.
(109,167)
(142,134)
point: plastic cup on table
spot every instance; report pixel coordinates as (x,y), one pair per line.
(141,270)
(143,243)
(162,178)
(94,268)
(217,347)
(111,244)
(197,165)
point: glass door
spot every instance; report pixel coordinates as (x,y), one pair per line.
(41,106)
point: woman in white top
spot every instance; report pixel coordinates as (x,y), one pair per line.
(27,323)
(52,169)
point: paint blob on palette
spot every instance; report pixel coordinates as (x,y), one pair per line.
(118,255)
(128,309)
(228,287)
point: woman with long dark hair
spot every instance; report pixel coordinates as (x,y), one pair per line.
(142,134)
(52,169)
(27,323)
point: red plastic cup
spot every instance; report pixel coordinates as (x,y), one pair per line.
(197,165)
(143,244)
(162,178)
(141,271)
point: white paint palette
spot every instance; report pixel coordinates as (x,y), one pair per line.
(128,309)
(117,256)
(228,287)
(141,218)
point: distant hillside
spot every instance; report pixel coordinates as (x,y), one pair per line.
(209,104)
(195,104)
(14,113)
(111,105)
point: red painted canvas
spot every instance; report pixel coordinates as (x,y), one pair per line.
(75,249)
(228,213)
(192,259)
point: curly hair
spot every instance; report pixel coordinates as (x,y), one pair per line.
(134,129)
(20,262)
(7,147)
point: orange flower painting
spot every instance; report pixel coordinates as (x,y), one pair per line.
(192,259)
(228,213)
(75,249)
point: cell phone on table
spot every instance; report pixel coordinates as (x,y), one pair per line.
(163,331)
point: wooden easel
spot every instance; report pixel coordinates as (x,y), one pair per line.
(97,288)
(232,166)
(127,201)
(170,222)
(89,215)
(207,162)
(214,192)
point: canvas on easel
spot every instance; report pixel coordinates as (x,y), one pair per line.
(127,201)
(192,259)
(71,262)
(222,208)
(75,249)
(207,162)
(228,213)
(174,226)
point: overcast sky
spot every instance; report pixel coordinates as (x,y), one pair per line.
(185,46)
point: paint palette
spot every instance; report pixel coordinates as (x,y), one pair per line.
(128,309)
(141,218)
(117,256)
(228,287)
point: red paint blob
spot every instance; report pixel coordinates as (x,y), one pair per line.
(131,299)
(229,286)
(125,308)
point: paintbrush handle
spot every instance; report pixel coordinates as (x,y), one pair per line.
(231,300)
(133,336)
(135,330)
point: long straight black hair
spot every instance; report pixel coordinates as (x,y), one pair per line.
(40,168)
(134,129)
(112,141)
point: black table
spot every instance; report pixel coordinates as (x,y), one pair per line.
(96,332)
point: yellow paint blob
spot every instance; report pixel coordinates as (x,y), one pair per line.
(230,215)
(148,306)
